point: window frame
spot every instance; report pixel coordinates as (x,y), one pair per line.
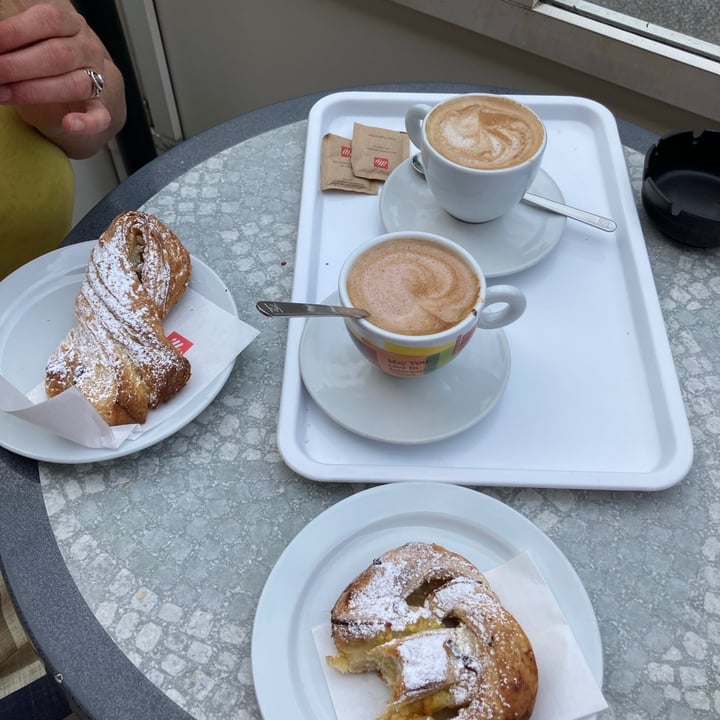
(680,71)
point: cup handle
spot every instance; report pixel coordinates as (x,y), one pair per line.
(514,302)
(413,122)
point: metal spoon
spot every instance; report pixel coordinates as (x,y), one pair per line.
(583,216)
(297,309)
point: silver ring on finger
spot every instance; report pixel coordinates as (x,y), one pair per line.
(98,82)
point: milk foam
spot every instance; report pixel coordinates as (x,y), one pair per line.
(413,287)
(484,132)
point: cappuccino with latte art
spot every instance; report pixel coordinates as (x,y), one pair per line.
(413,286)
(484,132)
(426,296)
(480,152)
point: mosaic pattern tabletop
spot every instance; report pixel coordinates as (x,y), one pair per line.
(171,547)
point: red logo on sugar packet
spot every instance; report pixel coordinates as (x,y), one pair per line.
(179,342)
(381,162)
(345,151)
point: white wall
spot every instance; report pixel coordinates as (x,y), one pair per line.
(230,56)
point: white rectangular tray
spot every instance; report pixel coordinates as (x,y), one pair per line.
(593,399)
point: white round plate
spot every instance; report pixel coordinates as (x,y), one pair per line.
(338,544)
(507,245)
(37,303)
(364,400)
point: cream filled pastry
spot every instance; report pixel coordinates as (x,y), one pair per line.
(428,622)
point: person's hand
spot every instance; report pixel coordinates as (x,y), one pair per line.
(45,54)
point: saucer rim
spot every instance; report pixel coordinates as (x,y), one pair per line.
(557,221)
(366,432)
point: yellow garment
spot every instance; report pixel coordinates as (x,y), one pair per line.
(19,665)
(37,192)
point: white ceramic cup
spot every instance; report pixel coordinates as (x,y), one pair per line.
(404,355)
(468,193)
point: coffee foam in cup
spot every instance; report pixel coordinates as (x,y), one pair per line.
(484,132)
(413,286)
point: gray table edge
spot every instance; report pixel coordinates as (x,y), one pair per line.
(96,674)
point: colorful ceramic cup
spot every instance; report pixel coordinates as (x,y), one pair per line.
(403,355)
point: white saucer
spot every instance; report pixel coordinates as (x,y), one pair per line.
(512,243)
(362,399)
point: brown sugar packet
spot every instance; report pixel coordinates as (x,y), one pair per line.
(377,151)
(336,168)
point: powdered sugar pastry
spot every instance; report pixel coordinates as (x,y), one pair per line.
(117,354)
(427,620)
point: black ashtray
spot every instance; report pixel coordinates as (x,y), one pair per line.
(681,186)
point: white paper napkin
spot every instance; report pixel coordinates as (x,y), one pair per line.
(567,689)
(217,337)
